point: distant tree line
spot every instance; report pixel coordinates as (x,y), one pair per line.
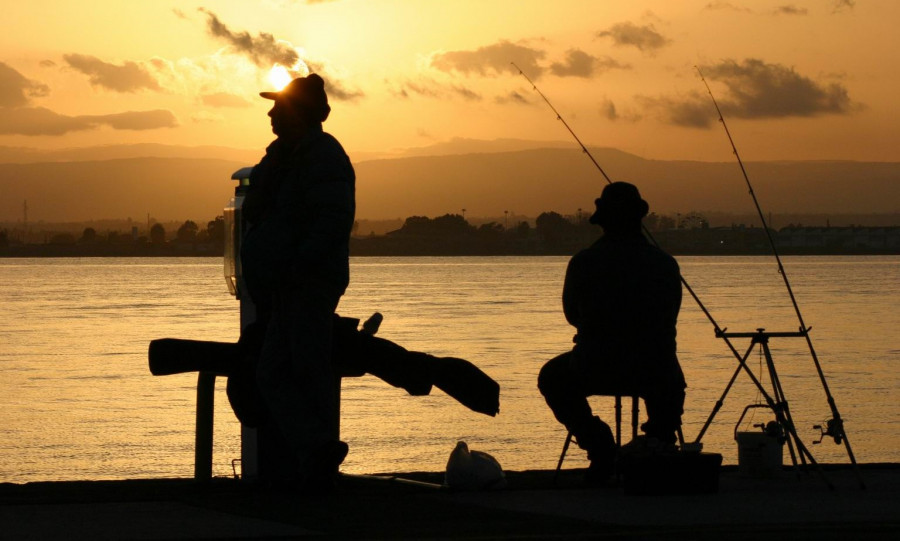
(189,239)
(682,234)
(451,234)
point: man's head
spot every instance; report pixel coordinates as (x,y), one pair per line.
(619,207)
(298,106)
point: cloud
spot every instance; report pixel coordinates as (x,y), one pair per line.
(217,73)
(129,77)
(137,120)
(580,64)
(790,10)
(645,38)
(224,99)
(409,88)
(429,88)
(16,90)
(692,111)
(263,50)
(787,9)
(491,60)
(42,121)
(760,90)
(336,90)
(206,117)
(843,5)
(334,87)
(465,93)
(513,97)
(755,90)
(608,110)
(18,118)
(723,5)
(38,121)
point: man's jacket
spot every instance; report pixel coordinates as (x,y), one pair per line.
(623,295)
(300,206)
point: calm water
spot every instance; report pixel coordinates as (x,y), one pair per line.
(78,402)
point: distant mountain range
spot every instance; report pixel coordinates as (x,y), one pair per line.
(485,178)
(121,152)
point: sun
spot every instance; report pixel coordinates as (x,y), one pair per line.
(279,76)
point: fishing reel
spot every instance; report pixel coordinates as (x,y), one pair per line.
(834,428)
(771,429)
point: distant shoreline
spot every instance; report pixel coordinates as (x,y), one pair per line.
(36,251)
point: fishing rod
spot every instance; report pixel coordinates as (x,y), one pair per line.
(835,426)
(566,124)
(718,330)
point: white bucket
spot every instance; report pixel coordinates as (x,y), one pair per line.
(759,454)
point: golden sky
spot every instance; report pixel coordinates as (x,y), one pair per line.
(796,79)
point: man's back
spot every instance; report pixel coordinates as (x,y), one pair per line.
(623,296)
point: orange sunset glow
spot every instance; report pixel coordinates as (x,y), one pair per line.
(796,79)
(812,78)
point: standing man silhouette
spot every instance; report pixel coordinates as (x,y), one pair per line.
(295,256)
(622,294)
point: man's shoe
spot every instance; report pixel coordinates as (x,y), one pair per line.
(602,467)
(597,439)
(647,445)
(323,466)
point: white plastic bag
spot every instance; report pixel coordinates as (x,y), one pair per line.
(473,470)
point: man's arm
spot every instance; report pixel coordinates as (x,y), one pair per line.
(332,202)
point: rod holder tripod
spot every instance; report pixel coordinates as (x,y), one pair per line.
(777,401)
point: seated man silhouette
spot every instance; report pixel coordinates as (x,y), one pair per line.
(622,294)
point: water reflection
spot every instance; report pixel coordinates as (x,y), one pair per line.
(77,400)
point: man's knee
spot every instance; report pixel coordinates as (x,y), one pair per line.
(554,376)
(544,379)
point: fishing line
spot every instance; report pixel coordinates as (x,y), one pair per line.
(835,426)
(720,332)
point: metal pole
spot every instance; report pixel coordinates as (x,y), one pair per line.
(203,436)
